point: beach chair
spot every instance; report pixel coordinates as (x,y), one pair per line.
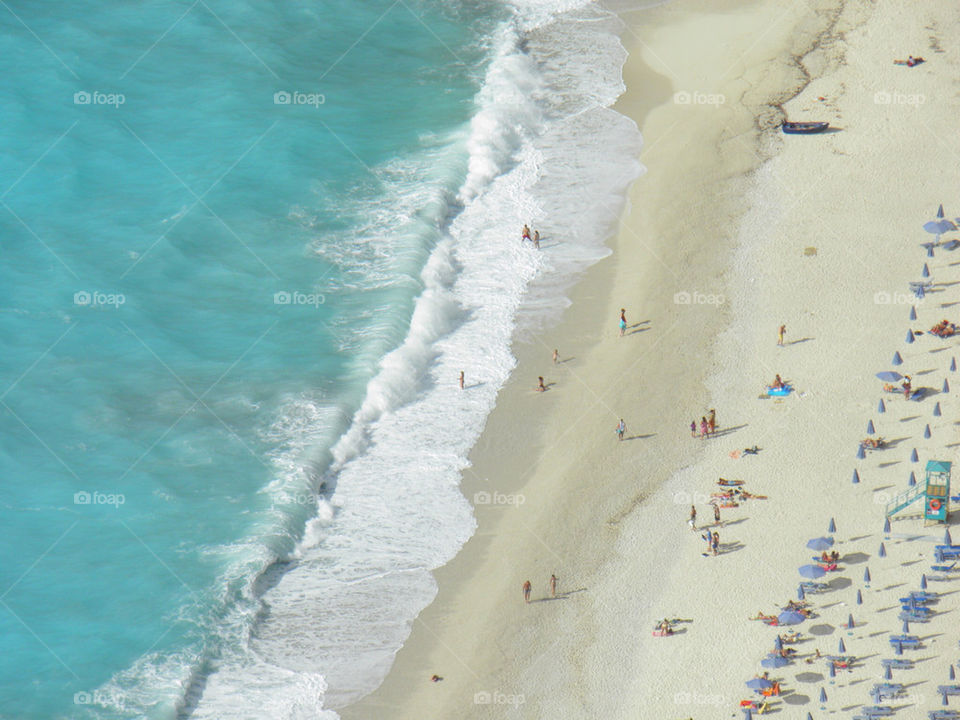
(875,711)
(814,587)
(943,714)
(948,689)
(897,663)
(943,568)
(907,641)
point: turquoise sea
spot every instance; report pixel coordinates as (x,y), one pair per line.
(245,249)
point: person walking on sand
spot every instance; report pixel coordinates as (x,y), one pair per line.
(621,429)
(704,427)
(461,379)
(556,356)
(715,543)
(693,428)
(693,517)
(780,333)
(553,585)
(536,239)
(716,513)
(540,386)
(525,235)
(712,421)
(623,321)
(526,591)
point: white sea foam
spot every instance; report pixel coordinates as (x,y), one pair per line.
(545,149)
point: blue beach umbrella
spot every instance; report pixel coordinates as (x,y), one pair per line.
(856,475)
(923,581)
(930,250)
(897,360)
(866,575)
(887,673)
(861,453)
(859,598)
(823,696)
(911,482)
(914,457)
(747,713)
(906,627)
(759,683)
(899,648)
(953,364)
(926,433)
(820,544)
(833,670)
(801,595)
(778,643)
(774,661)
(909,337)
(926,270)
(946,386)
(850,624)
(883,551)
(841,648)
(870,429)
(953,675)
(936,410)
(790,617)
(947,540)
(890,375)
(913,313)
(832,527)
(886,526)
(881,408)
(812,571)
(938,227)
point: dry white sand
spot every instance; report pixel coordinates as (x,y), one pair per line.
(757,229)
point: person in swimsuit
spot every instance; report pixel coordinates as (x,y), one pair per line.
(540,386)
(536,239)
(526,591)
(621,429)
(525,235)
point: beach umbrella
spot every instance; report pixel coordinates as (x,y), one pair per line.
(832,527)
(859,598)
(850,624)
(953,364)
(940,211)
(944,700)
(947,540)
(906,627)
(747,713)
(899,650)
(886,525)
(914,457)
(926,270)
(809,716)
(774,661)
(909,337)
(913,479)
(820,544)
(861,454)
(866,575)
(913,313)
(841,648)
(790,617)
(938,227)
(946,386)
(881,408)
(936,410)
(856,475)
(897,360)
(887,673)
(890,375)
(823,696)
(759,683)
(926,433)
(812,571)
(778,643)
(833,670)
(870,429)
(800,594)
(923,581)
(883,551)
(953,675)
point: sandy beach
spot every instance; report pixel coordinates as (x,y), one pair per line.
(733,230)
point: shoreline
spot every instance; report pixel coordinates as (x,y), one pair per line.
(590,502)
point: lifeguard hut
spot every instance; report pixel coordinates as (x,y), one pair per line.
(935,492)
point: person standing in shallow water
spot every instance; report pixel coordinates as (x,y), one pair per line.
(461,379)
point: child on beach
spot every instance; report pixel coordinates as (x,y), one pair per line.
(621,429)
(693,428)
(623,321)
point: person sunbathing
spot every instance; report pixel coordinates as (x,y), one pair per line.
(873,443)
(777,383)
(834,557)
(790,637)
(765,618)
(787,652)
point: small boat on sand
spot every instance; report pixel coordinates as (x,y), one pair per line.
(804,128)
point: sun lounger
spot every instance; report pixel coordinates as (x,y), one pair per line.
(814,587)
(886,691)
(923,595)
(897,663)
(910,641)
(913,617)
(877,710)
(943,568)
(948,689)
(943,714)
